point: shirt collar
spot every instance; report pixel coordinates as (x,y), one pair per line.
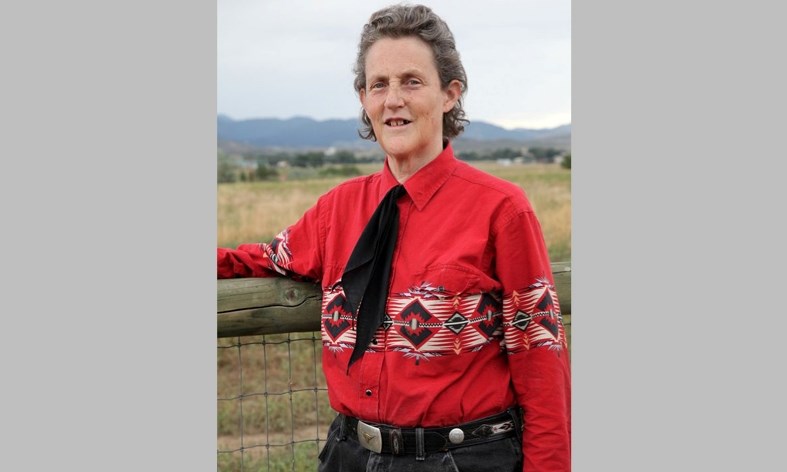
(422,185)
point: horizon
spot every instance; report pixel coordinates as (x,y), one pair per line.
(219,114)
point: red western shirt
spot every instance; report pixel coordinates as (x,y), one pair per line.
(473,323)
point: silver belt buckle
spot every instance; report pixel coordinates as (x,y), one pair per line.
(370,437)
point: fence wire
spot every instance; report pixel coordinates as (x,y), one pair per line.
(273,411)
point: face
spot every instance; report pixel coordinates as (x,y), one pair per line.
(404,100)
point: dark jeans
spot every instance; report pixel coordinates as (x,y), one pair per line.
(343,453)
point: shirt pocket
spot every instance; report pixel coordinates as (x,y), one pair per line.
(450,280)
(455,279)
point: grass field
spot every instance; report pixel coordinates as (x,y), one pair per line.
(271,388)
(256,211)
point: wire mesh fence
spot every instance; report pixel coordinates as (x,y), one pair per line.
(273,411)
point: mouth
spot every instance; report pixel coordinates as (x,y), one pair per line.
(396,122)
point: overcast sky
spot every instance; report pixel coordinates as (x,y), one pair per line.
(284,58)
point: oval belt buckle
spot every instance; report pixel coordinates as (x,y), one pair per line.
(456,436)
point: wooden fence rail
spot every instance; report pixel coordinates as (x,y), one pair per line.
(255,306)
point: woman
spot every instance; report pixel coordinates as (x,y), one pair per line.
(443,346)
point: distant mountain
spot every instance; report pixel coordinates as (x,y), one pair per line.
(298,132)
(486,131)
(308,133)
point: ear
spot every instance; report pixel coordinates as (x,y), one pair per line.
(362,96)
(452,94)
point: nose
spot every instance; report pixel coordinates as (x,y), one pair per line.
(394,97)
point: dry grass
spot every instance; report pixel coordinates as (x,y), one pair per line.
(256,211)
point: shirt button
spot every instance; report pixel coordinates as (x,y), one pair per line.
(374,341)
(368,393)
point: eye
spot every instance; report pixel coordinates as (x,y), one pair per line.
(413,82)
(376,86)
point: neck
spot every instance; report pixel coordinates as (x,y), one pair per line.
(404,167)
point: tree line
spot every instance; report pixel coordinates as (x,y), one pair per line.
(260,166)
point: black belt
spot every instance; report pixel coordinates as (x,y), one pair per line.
(387,439)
